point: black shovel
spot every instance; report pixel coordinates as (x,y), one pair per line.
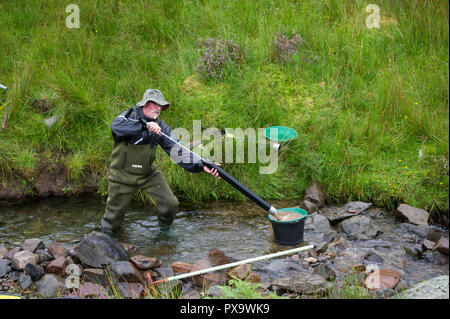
(232,181)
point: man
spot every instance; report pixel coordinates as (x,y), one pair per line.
(136,134)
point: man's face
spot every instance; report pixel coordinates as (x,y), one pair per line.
(152,110)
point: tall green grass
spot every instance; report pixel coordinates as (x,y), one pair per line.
(364,101)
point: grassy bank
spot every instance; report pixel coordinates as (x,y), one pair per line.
(364,101)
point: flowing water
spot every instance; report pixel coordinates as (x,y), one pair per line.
(240,229)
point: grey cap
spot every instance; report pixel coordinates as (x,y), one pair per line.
(154,96)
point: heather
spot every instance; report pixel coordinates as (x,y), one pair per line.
(370,105)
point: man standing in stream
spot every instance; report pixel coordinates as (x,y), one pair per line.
(136,134)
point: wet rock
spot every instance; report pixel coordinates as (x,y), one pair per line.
(412,215)
(56,250)
(189,292)
(322,247)
(435,288)
(435,258)
(35,272)
(181,267)
(124,271)
(12,252)
(69,261)
(33,244)
(349,259)
(310,207)
(326,271)
(358,228)
(315,195)
(144,262)
(98,249)
(43,255)
(22,258)
(351,209)
(72,257)
(383,293)
(241,271)
(419,230)
(57,266)
(25,281)
(380,279)
(434,234)
(357,207)
(284,265)
(428,244)
(329,235)
(339,244)
(208,279)
(254,278)
(217,257)
(95,276)
(320,223)
(14,275)
(307,284)
(92,290)
(311,260)
(49,285)
(374,258)
(214,291)
(131,290)
(442,246)
(5,267)
(132,250)
(164,272)
(3,252)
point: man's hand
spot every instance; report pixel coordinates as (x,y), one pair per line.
(154,127)
(212,171)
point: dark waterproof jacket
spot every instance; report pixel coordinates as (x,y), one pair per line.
(135,147)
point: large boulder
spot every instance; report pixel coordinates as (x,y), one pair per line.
(207,279)
(33,244)
(442,246)
(50,286)
(315,195)
(22,258)
(125,271)
(56,250)
(143,262)
(217,257)
(97,250)
(308,284)
(3,252)
(412,215)
(351,209)
(4,267)
(435,288)
(358,227)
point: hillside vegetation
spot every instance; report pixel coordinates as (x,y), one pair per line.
(370,105)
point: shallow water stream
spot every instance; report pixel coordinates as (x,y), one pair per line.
(240,229)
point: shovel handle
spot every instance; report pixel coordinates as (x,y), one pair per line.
(244,190)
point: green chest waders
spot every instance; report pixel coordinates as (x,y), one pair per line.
(132,168)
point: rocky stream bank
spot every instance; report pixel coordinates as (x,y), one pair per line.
(361,252)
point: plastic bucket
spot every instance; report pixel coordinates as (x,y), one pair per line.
(289,232)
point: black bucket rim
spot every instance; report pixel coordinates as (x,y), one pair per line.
(289,221)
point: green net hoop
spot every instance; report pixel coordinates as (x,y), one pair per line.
(280,133)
